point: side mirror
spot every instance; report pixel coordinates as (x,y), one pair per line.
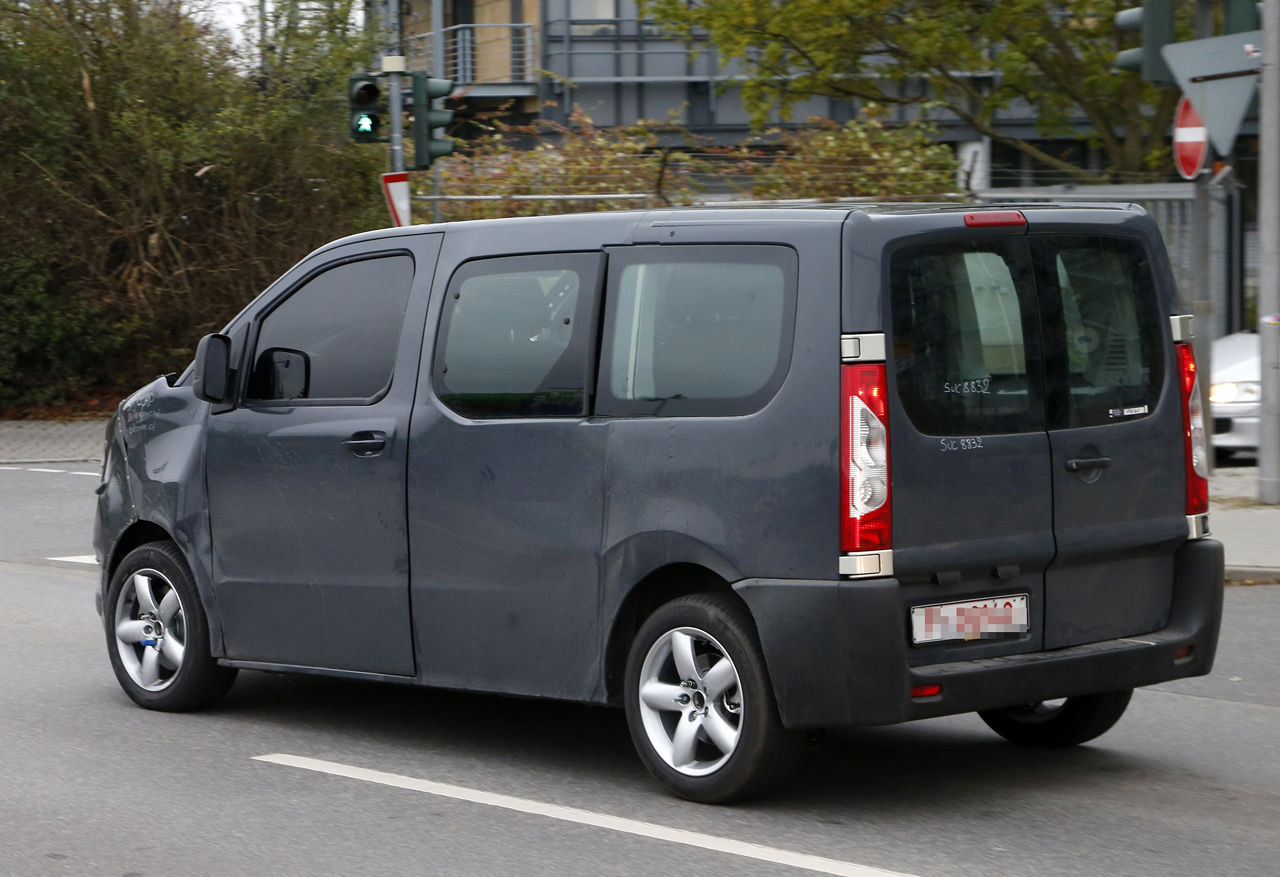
(281,374)
(212,374)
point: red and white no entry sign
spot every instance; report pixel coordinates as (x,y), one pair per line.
(1190,140)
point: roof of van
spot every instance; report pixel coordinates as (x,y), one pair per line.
(750,211)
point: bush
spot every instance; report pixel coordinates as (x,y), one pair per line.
(152,183)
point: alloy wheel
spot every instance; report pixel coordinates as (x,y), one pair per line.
(691,701)
(150,629)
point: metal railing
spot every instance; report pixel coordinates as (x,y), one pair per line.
(479,54)
(624,50)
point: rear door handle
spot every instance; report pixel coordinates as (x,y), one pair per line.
(1080,464)
(366,444)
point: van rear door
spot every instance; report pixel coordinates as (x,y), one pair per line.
(969,454)
(1115,430)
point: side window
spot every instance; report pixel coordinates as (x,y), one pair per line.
(1103,329)
(334,338)
(697,330)
(961,315)
(516,334)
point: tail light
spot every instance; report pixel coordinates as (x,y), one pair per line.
(866,523)
(1194,441)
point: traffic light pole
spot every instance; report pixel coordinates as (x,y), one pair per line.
(437,72)
(394,95)
(1202,306)
(1269,255)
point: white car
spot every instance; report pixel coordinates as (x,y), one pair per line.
(1235,393)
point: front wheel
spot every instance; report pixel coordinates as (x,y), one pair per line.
(700,705)
(157,634)
(1057,724)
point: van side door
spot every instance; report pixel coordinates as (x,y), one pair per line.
(506,497)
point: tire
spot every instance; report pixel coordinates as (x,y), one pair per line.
(708,735)
(157,633)
(1054,726)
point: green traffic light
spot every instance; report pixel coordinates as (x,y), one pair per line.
(364,125)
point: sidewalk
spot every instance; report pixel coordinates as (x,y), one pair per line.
(45,441)
(1249,531)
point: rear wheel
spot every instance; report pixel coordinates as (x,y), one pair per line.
(700,705)
(157,634)
(1057,724)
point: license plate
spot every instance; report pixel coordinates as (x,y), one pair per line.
(991,618)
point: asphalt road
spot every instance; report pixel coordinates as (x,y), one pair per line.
(1187,784)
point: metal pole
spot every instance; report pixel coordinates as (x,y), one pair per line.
(1269,252)
(1202,306)
(262,36)
(395,99)
(437,72)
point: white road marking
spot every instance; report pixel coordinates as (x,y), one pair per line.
(59,471)
(90,474)
(76,558)
(587,817)
(14,468)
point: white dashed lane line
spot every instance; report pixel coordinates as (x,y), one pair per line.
(59,471)
(710,842)
(77,558)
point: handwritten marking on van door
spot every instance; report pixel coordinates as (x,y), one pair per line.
(970,387)
(961,444)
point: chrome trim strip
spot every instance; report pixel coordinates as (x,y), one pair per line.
(867,347)
(1197,526)
(1184,327)
(867,564)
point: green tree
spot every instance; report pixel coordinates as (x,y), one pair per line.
(973,58)
(862,158)
(152,181)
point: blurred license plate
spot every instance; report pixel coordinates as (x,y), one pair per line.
(972,619)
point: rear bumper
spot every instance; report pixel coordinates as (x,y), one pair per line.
(837,651)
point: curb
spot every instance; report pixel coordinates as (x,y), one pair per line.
(51,460)
(1259,575)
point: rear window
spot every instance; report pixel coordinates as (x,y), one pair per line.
(962,316)
(1102,320)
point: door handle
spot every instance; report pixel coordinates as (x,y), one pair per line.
(1080,464)
(366,444)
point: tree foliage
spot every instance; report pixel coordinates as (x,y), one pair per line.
(974,58)
(512,163)
(514,166)
(862,158)
(152,181)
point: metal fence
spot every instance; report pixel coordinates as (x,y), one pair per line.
(1171,206)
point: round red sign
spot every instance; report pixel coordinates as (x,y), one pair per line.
(1190,140)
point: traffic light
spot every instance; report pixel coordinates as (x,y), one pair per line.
(1154,20)
(426,148)
(366,106)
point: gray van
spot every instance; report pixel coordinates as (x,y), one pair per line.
(747,473)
